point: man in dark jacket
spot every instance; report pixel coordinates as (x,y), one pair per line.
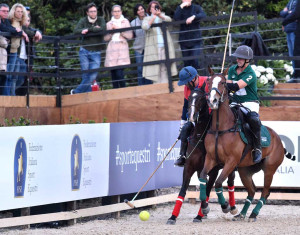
(90,51)
(190,34)
(295,16)
(290,28)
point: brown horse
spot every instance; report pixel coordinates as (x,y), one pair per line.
(196,152)
(224,145)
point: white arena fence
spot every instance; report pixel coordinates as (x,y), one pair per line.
(51,164)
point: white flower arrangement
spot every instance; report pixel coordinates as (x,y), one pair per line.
(265,75)
(290,70)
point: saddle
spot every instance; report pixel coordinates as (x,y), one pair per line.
(245,131)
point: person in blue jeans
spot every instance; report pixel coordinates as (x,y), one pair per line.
(139,42)
(90,51)
(290,28)
(190,35)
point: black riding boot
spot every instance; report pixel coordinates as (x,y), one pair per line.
(182,155)
(255,124)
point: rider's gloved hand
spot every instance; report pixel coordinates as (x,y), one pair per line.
(182,122)
(232,87)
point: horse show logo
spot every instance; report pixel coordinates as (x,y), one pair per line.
(20,167)
(76,162)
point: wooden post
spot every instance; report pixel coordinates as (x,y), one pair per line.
(152,193)
(24,212)
(192,200)
(115,200)
(71,206)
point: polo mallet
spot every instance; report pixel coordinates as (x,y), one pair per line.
(224,57)
(130,203)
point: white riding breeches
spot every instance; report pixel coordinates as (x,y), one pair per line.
(252,106)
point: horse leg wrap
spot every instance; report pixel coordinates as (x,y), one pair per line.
(200,212)
(202,189)
(231,196)
(246,206)
(259,205)
(178,205)
(221,199)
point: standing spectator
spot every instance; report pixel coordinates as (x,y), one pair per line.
(117,52)
(139,42)
(27,52)
(5,26)
(90,51)
(3,61)
(295,16)
(190,34)
(154,45)
(18,17)
(291,27)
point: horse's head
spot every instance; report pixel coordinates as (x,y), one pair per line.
(197,104)
(217,88)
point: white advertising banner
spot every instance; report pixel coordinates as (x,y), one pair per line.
(288,173)
(51,164)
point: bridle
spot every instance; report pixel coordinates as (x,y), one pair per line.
(223,95)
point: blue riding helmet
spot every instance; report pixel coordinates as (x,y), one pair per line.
(186,75)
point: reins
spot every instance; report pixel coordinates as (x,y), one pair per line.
(206,128)
(217,132)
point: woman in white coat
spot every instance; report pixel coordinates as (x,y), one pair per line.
(154,45)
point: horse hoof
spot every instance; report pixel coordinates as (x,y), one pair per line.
(171,222)
(226,208)
(238,217)
(252,217)
(233,210)
(206,210)
(197,219)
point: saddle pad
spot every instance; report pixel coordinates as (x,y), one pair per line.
(265,136)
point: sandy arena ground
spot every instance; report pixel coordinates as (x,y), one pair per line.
(273,219)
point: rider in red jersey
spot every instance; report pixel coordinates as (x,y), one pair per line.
(189,77)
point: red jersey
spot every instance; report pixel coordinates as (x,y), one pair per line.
(201,80)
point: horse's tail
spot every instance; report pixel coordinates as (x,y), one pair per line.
(289,155)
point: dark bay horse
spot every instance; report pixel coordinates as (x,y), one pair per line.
(195,161)
(224,145)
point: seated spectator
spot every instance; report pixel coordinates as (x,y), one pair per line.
(154,45)
(117,52)
(139,42)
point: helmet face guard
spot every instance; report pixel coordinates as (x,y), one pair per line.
(243,52)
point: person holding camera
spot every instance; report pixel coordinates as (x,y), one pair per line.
(155,45)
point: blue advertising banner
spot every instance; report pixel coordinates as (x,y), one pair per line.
(136,149)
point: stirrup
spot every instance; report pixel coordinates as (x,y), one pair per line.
(180,161)
(255,152)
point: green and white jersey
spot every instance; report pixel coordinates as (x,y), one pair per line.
(248,93)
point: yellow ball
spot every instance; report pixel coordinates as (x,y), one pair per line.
(144,215)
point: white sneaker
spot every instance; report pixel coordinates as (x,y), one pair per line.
(72,92)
